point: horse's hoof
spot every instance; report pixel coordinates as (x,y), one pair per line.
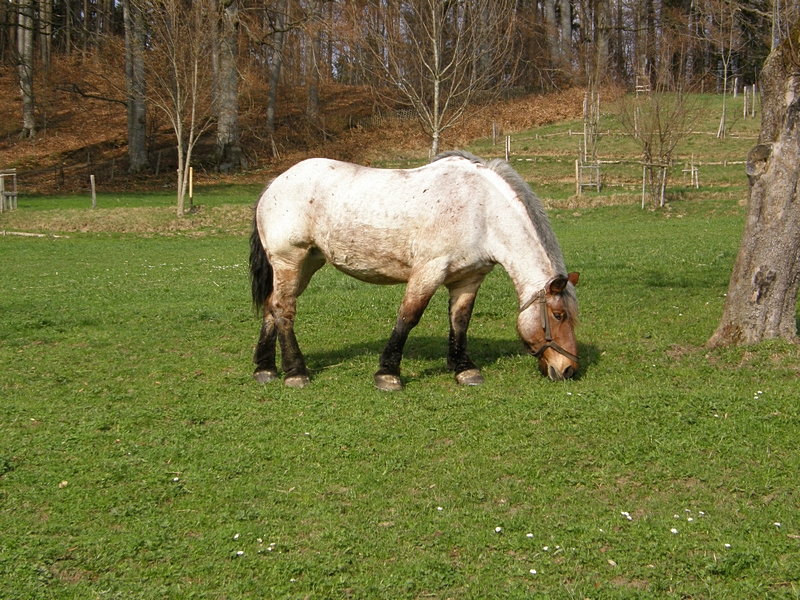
(470,377)
(388,382)
(297,381)
(265,376)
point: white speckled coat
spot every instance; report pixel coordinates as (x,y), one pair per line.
(446,223)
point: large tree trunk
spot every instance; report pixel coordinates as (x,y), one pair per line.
(762,295)
(136,87)
(228,153)
(25,66)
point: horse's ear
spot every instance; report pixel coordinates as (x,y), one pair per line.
(557,285)
(573,278)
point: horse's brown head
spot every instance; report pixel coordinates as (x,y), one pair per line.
(547,323)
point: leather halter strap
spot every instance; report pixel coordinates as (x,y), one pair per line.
(541,298)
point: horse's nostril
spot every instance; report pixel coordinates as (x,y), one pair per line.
(553,373)
(569,372)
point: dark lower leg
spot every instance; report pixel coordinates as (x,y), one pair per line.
(457,358)
(393,352)
(292,361)
(264,356)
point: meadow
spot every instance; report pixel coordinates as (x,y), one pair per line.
(139,459)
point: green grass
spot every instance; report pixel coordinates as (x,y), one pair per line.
(208,195)
(138,458)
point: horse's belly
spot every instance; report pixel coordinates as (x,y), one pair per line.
(369,263)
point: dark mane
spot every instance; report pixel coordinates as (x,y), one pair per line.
(536,212)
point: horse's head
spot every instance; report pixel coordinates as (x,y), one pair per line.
(546,324)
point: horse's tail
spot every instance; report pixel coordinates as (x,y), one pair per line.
(260,269)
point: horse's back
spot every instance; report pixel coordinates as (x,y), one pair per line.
(376,224)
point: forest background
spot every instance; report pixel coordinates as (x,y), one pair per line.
(233,85)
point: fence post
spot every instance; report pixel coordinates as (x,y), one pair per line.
(94,196)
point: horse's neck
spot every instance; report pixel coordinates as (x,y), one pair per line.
(519,251)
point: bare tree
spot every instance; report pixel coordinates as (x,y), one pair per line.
(761,302)
(437,56)
(179,69)
(724,33)
(658,121)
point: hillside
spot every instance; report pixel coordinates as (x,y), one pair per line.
(82,131)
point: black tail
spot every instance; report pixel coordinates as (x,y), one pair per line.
(260,270)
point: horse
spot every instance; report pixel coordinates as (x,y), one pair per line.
(447,223)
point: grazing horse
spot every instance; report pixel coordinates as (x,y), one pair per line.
(446,223)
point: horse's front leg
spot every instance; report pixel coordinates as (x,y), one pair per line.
(462,299)
(419,291)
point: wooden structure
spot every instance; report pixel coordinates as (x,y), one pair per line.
(8,189)
(693,172)
(587,167)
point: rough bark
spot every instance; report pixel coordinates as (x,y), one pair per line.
(136,87)
(762,294)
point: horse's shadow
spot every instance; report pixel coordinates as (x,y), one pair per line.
(432,351)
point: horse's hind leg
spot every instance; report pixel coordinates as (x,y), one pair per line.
(462,299)
(290,282)
(264,357)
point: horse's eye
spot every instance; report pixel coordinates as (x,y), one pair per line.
(558,316)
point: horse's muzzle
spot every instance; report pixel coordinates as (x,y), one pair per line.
(557,375)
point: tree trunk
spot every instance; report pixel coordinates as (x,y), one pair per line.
(313,32)
(566,35)
(45,34)
(275,72)
(552,31)
(136,87)
(762,294)
(25,66)
(228,153)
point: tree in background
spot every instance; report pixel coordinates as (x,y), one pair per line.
(228,154)
(723,32)
(179,65)
(135,86)
(761,303)
(25,43)
(438,56)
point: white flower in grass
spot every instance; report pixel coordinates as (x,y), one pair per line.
(529,535)
(673,530)
(439,508)
(240,553)
(236,537)
(727,545)
(776,524)
(532,571)
(498,530)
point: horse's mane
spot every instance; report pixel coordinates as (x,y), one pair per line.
(538,216)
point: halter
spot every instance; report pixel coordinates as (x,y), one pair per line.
(541,298)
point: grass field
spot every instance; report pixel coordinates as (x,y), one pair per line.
(139,459)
